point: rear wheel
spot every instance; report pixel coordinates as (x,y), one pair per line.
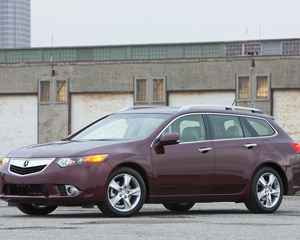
(34,209)
(266,191)
(125,193)
(178,207)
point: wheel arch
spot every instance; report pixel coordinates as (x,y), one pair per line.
(279,170)
(141,171)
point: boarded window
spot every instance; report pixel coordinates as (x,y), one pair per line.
(158,90)
(141,90)
(45,91)
(243,87)
(61,91)
(262,88)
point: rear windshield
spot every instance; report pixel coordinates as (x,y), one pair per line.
(122,127)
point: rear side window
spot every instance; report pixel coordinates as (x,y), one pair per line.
(226,126)
(261,127)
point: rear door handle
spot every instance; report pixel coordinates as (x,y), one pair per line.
(250,146)
(204,150)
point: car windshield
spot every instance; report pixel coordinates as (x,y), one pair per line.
(122,127)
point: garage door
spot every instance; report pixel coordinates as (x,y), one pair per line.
(180,99)
(286,111)
(18,122)
(88,107)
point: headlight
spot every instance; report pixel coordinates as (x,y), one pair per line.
(4,161)
(73,161)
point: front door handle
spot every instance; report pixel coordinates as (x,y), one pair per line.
(250,146)
(204,150)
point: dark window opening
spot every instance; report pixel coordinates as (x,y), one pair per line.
(45,91)
(141,90)
(244,87)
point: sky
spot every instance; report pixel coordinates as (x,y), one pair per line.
(123,22)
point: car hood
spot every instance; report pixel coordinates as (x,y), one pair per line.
(63,149)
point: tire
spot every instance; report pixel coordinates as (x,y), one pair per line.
(125,193)
(32,209)
(266,191)
(178,207)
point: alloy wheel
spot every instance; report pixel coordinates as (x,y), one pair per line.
(268,190)
(124,192)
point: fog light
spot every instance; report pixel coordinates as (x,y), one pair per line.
(71,190)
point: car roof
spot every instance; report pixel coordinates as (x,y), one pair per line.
(195,109)
(149,110)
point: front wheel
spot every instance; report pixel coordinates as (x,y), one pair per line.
(125,193)
(266,191)
(34,209)
(178,207)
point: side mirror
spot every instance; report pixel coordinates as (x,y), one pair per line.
(169,139)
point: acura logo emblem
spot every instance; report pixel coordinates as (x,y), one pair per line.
(26,163)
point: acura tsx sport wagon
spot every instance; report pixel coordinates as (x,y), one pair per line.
(168,155)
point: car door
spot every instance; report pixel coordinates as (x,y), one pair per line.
(236,152)
(186,168)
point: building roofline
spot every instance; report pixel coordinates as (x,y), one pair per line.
(264,40)
(156,44)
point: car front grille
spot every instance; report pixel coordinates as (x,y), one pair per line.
(26,166)
(28,170)
(26,189)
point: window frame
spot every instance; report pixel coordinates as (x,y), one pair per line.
(252,46)
(135,90)
(286,49)
(238,89)
(67,90)
(151,88)
(255,87)
(232,49)
(40,91)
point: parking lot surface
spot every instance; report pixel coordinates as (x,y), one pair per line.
(203,221)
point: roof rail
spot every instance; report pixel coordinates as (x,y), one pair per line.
(141,107)
(254,110)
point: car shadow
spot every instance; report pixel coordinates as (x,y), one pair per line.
(69,214)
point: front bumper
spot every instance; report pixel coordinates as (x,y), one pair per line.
(46,187)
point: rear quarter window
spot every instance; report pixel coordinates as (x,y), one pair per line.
(261,127)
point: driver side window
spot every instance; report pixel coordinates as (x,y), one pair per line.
(190,128)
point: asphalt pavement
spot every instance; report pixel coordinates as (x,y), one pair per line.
(203,221)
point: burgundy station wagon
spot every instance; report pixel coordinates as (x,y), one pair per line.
(168,155)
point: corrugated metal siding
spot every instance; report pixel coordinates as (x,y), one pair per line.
(160,51)
(84,54)
(271,48)
(150,51)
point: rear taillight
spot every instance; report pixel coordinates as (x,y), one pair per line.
(295,146)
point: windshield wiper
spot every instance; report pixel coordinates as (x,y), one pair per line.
(101,140)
